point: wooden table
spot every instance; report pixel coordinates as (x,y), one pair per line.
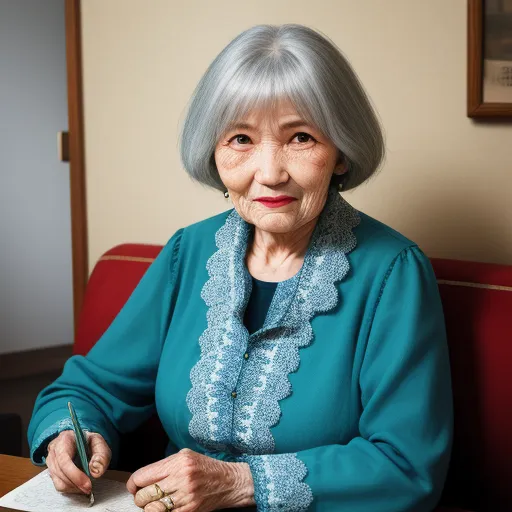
(15,471)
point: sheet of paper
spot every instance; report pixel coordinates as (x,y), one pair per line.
(39,495)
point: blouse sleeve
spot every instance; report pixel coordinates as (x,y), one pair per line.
(399,461)
(112,387)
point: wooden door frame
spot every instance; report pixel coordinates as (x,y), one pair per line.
(79,239)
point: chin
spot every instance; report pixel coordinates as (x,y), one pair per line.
(273,224)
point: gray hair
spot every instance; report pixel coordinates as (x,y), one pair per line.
(265,64)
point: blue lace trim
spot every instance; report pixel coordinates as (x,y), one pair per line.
(39,447)
(223,342)
(278,482)
(242,425)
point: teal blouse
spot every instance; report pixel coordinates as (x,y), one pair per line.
(340,400)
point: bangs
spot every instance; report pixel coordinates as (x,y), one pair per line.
(263,86)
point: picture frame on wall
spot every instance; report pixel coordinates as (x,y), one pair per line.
(489,58)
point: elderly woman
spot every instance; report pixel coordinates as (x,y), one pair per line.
(293,347)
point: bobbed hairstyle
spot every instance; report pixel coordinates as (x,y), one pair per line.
(265,64)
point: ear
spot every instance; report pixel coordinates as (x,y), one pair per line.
(340,169)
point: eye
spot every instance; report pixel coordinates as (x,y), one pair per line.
(240,137)
(302,135)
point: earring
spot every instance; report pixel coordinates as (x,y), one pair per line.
(340,187)
(226,194)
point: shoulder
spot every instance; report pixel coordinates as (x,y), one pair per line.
(196,240)
(206,226)
(197,231)
(385,264)
(378,237)
(379,248)
(202,233)
(378,240)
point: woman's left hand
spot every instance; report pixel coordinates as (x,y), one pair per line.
(194,481)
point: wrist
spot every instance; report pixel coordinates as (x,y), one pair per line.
(241,485)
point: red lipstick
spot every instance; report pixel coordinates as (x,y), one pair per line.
(275,202)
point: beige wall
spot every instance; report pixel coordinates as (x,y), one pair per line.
(447,182)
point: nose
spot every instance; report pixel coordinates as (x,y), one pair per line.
(271,168)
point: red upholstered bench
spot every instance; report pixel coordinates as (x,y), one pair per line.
(477,300)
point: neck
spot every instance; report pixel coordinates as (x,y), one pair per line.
(280,250)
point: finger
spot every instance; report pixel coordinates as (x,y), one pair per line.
(101,454)
(182,501)
(155,506)
(64,453)
(62,486)
(148,494)
(55,470)
(148,475)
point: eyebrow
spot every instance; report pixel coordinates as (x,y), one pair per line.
(283,126)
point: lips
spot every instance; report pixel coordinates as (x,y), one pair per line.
(275,199)
(275,202)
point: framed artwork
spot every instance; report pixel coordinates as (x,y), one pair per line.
(489,58)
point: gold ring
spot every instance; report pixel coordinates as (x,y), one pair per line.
(167,501)
(159,492)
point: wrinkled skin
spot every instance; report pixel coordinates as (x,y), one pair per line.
(65,475)
(196,483)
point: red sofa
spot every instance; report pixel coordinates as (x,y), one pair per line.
(477,300)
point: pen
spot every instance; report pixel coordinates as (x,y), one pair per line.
(81,446)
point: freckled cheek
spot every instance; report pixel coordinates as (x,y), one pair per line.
(308,167)
(231,160)
(316,158)
(235,170)
(320,159)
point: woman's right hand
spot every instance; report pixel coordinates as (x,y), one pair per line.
(65,475)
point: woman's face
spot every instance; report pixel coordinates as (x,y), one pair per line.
(263,158)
